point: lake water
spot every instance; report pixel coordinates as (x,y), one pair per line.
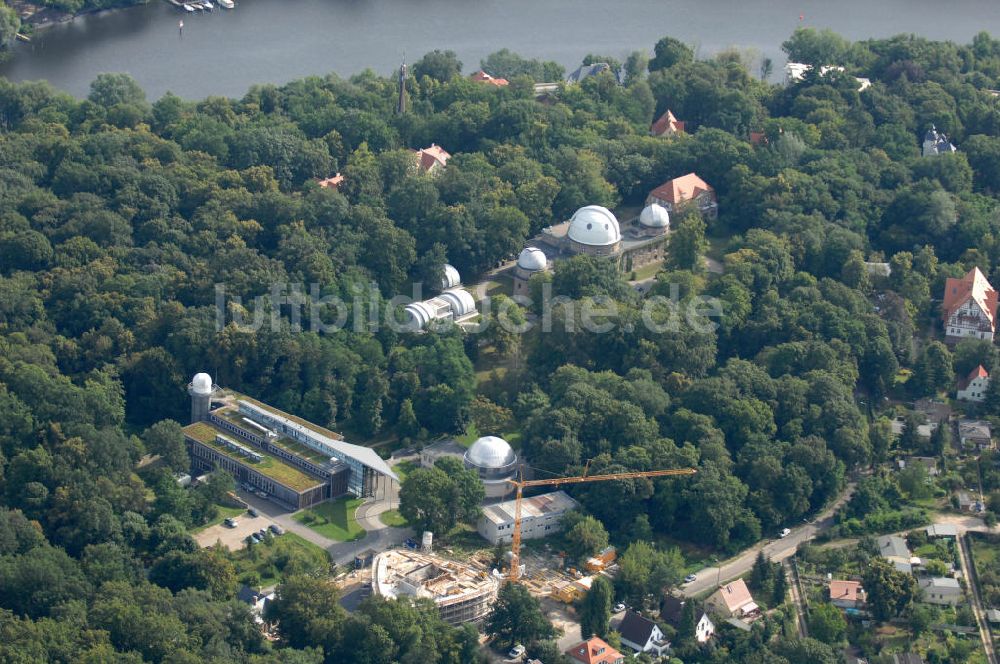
(224,52)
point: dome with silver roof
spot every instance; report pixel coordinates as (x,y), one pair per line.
(490,452)
(595,226)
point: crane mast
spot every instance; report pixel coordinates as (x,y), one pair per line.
(515,545)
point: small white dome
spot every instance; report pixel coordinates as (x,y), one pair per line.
(201,383)
(532,258)
(490,452)
(595,226)
(450,277)
(655,215)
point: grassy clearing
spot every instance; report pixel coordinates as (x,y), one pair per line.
(334,519)
(647,271)
(393,519)
(267,563)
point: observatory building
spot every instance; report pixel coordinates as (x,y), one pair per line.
(292,461)
(595,231)
(530,262)
(495,461)
(454,305)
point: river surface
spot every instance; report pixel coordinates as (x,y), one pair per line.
(225,52)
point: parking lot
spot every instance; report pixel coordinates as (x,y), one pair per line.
(233,538)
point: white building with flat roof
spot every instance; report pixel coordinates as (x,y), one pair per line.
(540,516)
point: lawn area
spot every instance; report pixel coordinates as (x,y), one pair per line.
(224,513)
(500,285)
(393,519)
(334,519)
(265,564)
(647,271)
(403,468)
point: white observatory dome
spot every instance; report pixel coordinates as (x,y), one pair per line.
(532,259)
(450,277)
(595,226)
(490,452)
(201,383)
(655,215)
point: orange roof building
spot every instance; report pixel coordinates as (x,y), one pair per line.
(432,159)
(846,594)
(970,307)
(667,125)
(482,77)
(687,189)
(332,183)
(595,651)
(733,600)
(973,387)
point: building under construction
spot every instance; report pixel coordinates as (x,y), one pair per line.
(463,593)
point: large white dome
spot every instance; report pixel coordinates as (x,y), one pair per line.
(461,301)
(490,452)
(655,215)
(595,226)
(532,259)
(201,383)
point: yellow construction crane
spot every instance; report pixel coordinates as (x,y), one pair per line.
(515,546)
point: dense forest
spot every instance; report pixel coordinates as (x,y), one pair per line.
(119,216)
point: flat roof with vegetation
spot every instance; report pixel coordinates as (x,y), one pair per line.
(270,466)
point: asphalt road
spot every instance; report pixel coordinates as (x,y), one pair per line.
(777,550)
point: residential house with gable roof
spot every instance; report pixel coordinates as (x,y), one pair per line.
(733,600)
(686,190)
(595,651)
(642,634)
(970,307)
(973,387)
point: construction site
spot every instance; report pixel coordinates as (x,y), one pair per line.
(463,592)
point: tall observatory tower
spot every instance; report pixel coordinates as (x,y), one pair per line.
(201,390)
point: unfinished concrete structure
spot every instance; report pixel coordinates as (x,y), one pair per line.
(463,593)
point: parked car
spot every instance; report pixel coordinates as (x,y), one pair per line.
(231,522)
(618,608)
(276,529)
(689,578)
(255,538)
(785,533)
(262,494)
(252,512)
(516,651)
(262,533)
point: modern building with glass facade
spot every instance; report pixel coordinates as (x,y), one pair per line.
(296,463)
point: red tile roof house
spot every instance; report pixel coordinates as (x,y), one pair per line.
(482,77)
(970,307)
(667,125)
(847,594)
(432,159)
(595,651)
(973,387)
(734,600)
(686,190)
(332,183)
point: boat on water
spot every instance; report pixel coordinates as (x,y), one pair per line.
(226,4)
(207,6)
(188,8)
